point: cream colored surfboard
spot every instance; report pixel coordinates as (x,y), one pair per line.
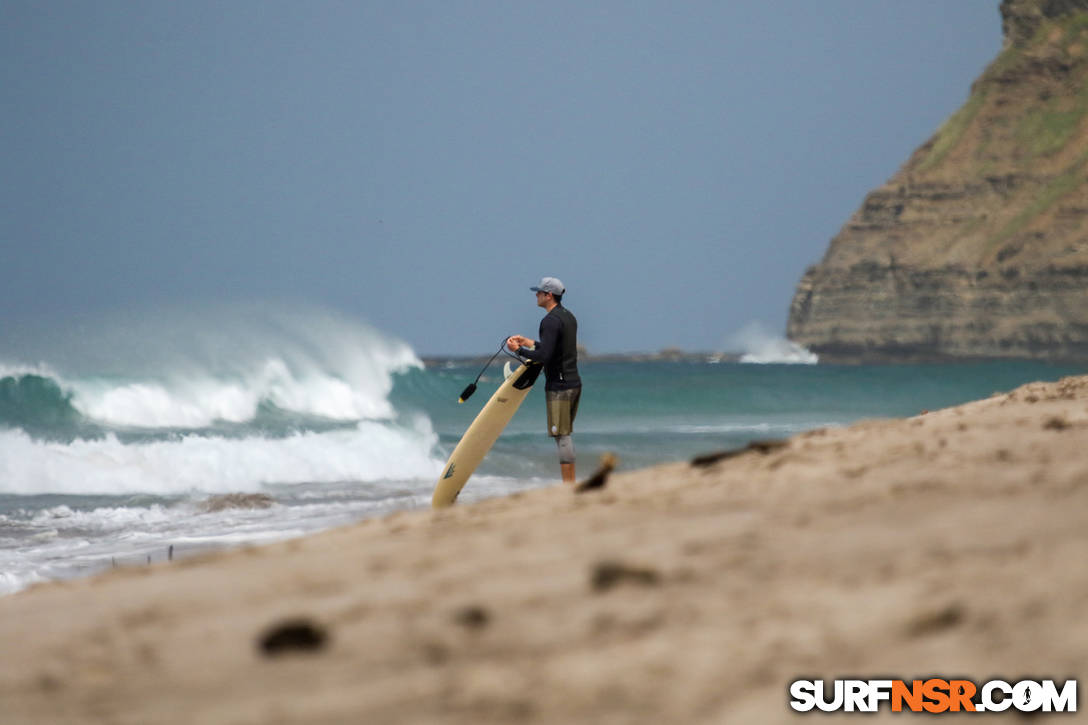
(483,433)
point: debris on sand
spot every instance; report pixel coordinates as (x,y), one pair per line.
(764,447)
(606,575)
(292,635)
(236,501)
(600,476)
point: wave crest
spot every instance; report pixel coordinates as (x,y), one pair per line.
(190,369)
(759,345)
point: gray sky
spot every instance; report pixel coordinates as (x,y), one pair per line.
(418,165)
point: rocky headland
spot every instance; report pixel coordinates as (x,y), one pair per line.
(977,246)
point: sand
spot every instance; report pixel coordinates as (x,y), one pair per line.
(951,543)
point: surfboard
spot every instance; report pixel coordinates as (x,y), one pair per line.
(483,433)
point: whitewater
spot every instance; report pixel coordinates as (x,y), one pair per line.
(116,434)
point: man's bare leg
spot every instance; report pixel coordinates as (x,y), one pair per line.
(568,472)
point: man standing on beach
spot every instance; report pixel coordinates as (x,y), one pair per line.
(557,351)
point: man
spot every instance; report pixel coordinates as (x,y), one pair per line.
(557,351)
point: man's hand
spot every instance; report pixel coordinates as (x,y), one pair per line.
(515,341)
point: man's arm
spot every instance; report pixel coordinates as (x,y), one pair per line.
(549,336)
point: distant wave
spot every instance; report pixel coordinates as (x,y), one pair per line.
(228,399)
(202,398)
(760,346)
(190,369)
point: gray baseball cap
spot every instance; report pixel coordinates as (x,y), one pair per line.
(550,284)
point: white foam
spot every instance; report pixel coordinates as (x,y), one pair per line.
(75,542)
(13,581)
(188,369)
(370,451)
(18,370)
(61,518)
(740,428)
(760,346)
(246,537)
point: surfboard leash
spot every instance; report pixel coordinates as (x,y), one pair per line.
(471,387)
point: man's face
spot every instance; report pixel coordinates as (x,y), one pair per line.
(542,299)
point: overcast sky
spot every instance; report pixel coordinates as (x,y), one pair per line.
(418,165)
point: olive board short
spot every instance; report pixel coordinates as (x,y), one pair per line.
(562,409)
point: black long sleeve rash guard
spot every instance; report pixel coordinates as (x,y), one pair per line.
(557,349)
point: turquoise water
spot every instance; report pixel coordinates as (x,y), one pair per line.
(651,412)
(108,456)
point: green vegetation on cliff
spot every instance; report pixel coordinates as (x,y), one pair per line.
(952,131)
(976,247)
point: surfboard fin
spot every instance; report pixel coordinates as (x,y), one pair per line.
(507,371)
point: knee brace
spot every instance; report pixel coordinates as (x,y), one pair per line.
(566,449)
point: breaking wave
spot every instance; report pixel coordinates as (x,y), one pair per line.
(760,346)
(223,399)
(370,451)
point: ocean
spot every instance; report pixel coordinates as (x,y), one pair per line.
(113,437)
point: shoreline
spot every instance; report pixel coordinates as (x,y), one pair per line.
(667,355)
(830,359)
(947,543)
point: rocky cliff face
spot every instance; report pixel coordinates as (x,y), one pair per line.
(978,246)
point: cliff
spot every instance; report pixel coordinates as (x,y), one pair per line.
(977,246)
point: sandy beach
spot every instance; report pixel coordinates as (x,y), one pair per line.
(951,543)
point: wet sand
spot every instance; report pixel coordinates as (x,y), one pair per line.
(951,543)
